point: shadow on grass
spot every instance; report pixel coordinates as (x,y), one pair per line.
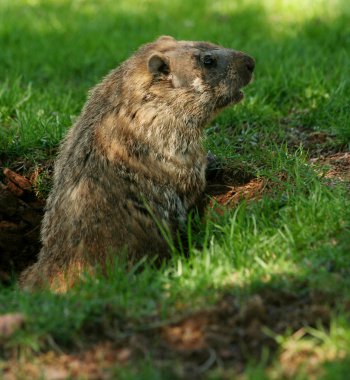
(243,327)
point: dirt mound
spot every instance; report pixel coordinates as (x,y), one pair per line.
(20,217)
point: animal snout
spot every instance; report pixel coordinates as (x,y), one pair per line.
(244,61)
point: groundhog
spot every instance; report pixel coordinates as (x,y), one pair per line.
(133,165)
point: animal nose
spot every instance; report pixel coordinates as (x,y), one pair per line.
(249,63)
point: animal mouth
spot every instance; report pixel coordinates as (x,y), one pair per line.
(233,98)
(239,95)
(236,94)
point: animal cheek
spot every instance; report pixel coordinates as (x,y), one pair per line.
(198,85)
(222,89)
(175,80)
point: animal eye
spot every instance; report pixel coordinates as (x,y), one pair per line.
(209,60)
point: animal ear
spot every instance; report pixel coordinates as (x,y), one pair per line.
(158,64)
(166,39)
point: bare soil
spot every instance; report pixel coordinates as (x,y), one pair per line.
(336,166)
(20,216)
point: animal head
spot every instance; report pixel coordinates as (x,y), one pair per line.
(193,78)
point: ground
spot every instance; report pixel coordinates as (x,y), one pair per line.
(263,291)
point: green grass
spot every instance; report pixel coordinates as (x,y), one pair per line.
(296,237)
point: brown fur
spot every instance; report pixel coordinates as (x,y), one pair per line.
(135,156)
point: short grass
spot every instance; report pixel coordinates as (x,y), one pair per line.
(53,51)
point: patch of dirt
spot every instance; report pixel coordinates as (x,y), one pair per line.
(252,190)
(337,166)
(92,363)
(315,142)
(20,217)
(223,337)
(306,355)
(235,331)
(227,186)
(221,177)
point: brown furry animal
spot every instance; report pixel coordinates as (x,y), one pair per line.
(134,160)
